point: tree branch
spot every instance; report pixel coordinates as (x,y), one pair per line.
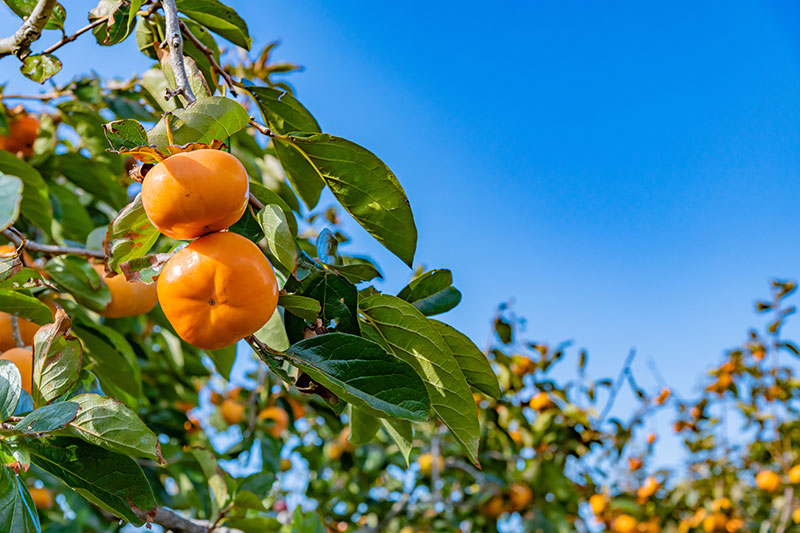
(20,241)
(261,128)
(15,332)
(19,44)
(174,522)
(75,35)
(210,55)
(617,386)
(175,42)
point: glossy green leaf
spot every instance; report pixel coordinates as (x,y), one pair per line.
(126,133)
(338,297)
(219,18)
(363,374)
(471,359)
(10,388)
(357,270)
(48,418)
(282,112)
(120,17)
(23,8)
(302,174)
(208,119)
(130,235)
(57,360)
(366,188)
(24,306)
(280,243)
(108,423)
(17,511)
(432,292)
(40,67)
(400,326)
(10,200)
(306,308)
(112,481)
(76,276)
(35,206)
(363,426)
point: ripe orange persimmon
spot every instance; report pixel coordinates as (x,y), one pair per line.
(520,495)
(27,330)
(232,411)
(279,416)
(22,132)
(23,359)
(540,401)
(494,507)
(128,298)
(193,193)
(217,290)
(624,524)
(794,475)
(768,481)
(42,498)
(598,503)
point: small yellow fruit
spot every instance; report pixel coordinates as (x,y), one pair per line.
(541,401)
(624,524)
(734,524)
(796,516)
(714,522)
(648,488)
(721,504)
(494,507)
(42,498)
(794,474)
(286,464)
(426,463)
(520,496)
(768,481)
(232,411)
(597,503)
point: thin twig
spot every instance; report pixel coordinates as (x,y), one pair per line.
(617,386)
(253,399)
(19,44)
(210,55)
(174,522)
(50,249)
(788,500)
(175,43)
(44,97)
(255,202)
(15,332)
(75,35)
(261,128)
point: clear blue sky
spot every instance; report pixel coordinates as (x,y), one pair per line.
(628,172)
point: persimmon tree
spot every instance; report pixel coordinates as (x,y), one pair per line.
(154,222)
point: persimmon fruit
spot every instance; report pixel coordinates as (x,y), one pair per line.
(23,359)
(278,416)
(232,411)
(768,480)
(217,290)
(42,498)
(194,193)
(22,132)
(128,298)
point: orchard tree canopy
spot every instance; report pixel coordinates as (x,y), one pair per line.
(157,228)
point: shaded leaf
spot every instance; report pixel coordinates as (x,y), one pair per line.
(57,360)
(17,511)
(432,292)
(402,433)
(76,276)
(219,18)
(10,200)
(338,297)
(130,235)
(35,206)
(281,111)
(10,388)
(280,243)
(363,426)
(208,119)
(302,174)
(306,308)
(23,8)
(24,306)
(473,362)
(48,418)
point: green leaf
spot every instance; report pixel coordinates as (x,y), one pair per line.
(400,327)
(302,174)
(76,276)
(155,83)
(280,243)
(17,511)
(23,8)
(88,124)
(432,292)
(35,206)
(363,374)
(198,55)
(73,220)
(281,111)
(273,333)
(40,67)
(357,270)
(219,18)
(366,188)
(10,200)
(223,359)
(48,418)
(363,426)
(10,388)
(121,17)
(220,483)
(126,133)
(338,297)
(24,306)
(118,376)
(110,424)
(306,308)
(57,360)
(472,361)
(206,120)
(402,433)
(109,480)
(197,81)
(93,177)
(307,522)
(130,235)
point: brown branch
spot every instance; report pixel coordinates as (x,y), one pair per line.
(175,43)
(50,249)
(19,44)
(174,522)
(75,35)
(255,202)
(261,128)
(44,97)
(210,55)
(788,497)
